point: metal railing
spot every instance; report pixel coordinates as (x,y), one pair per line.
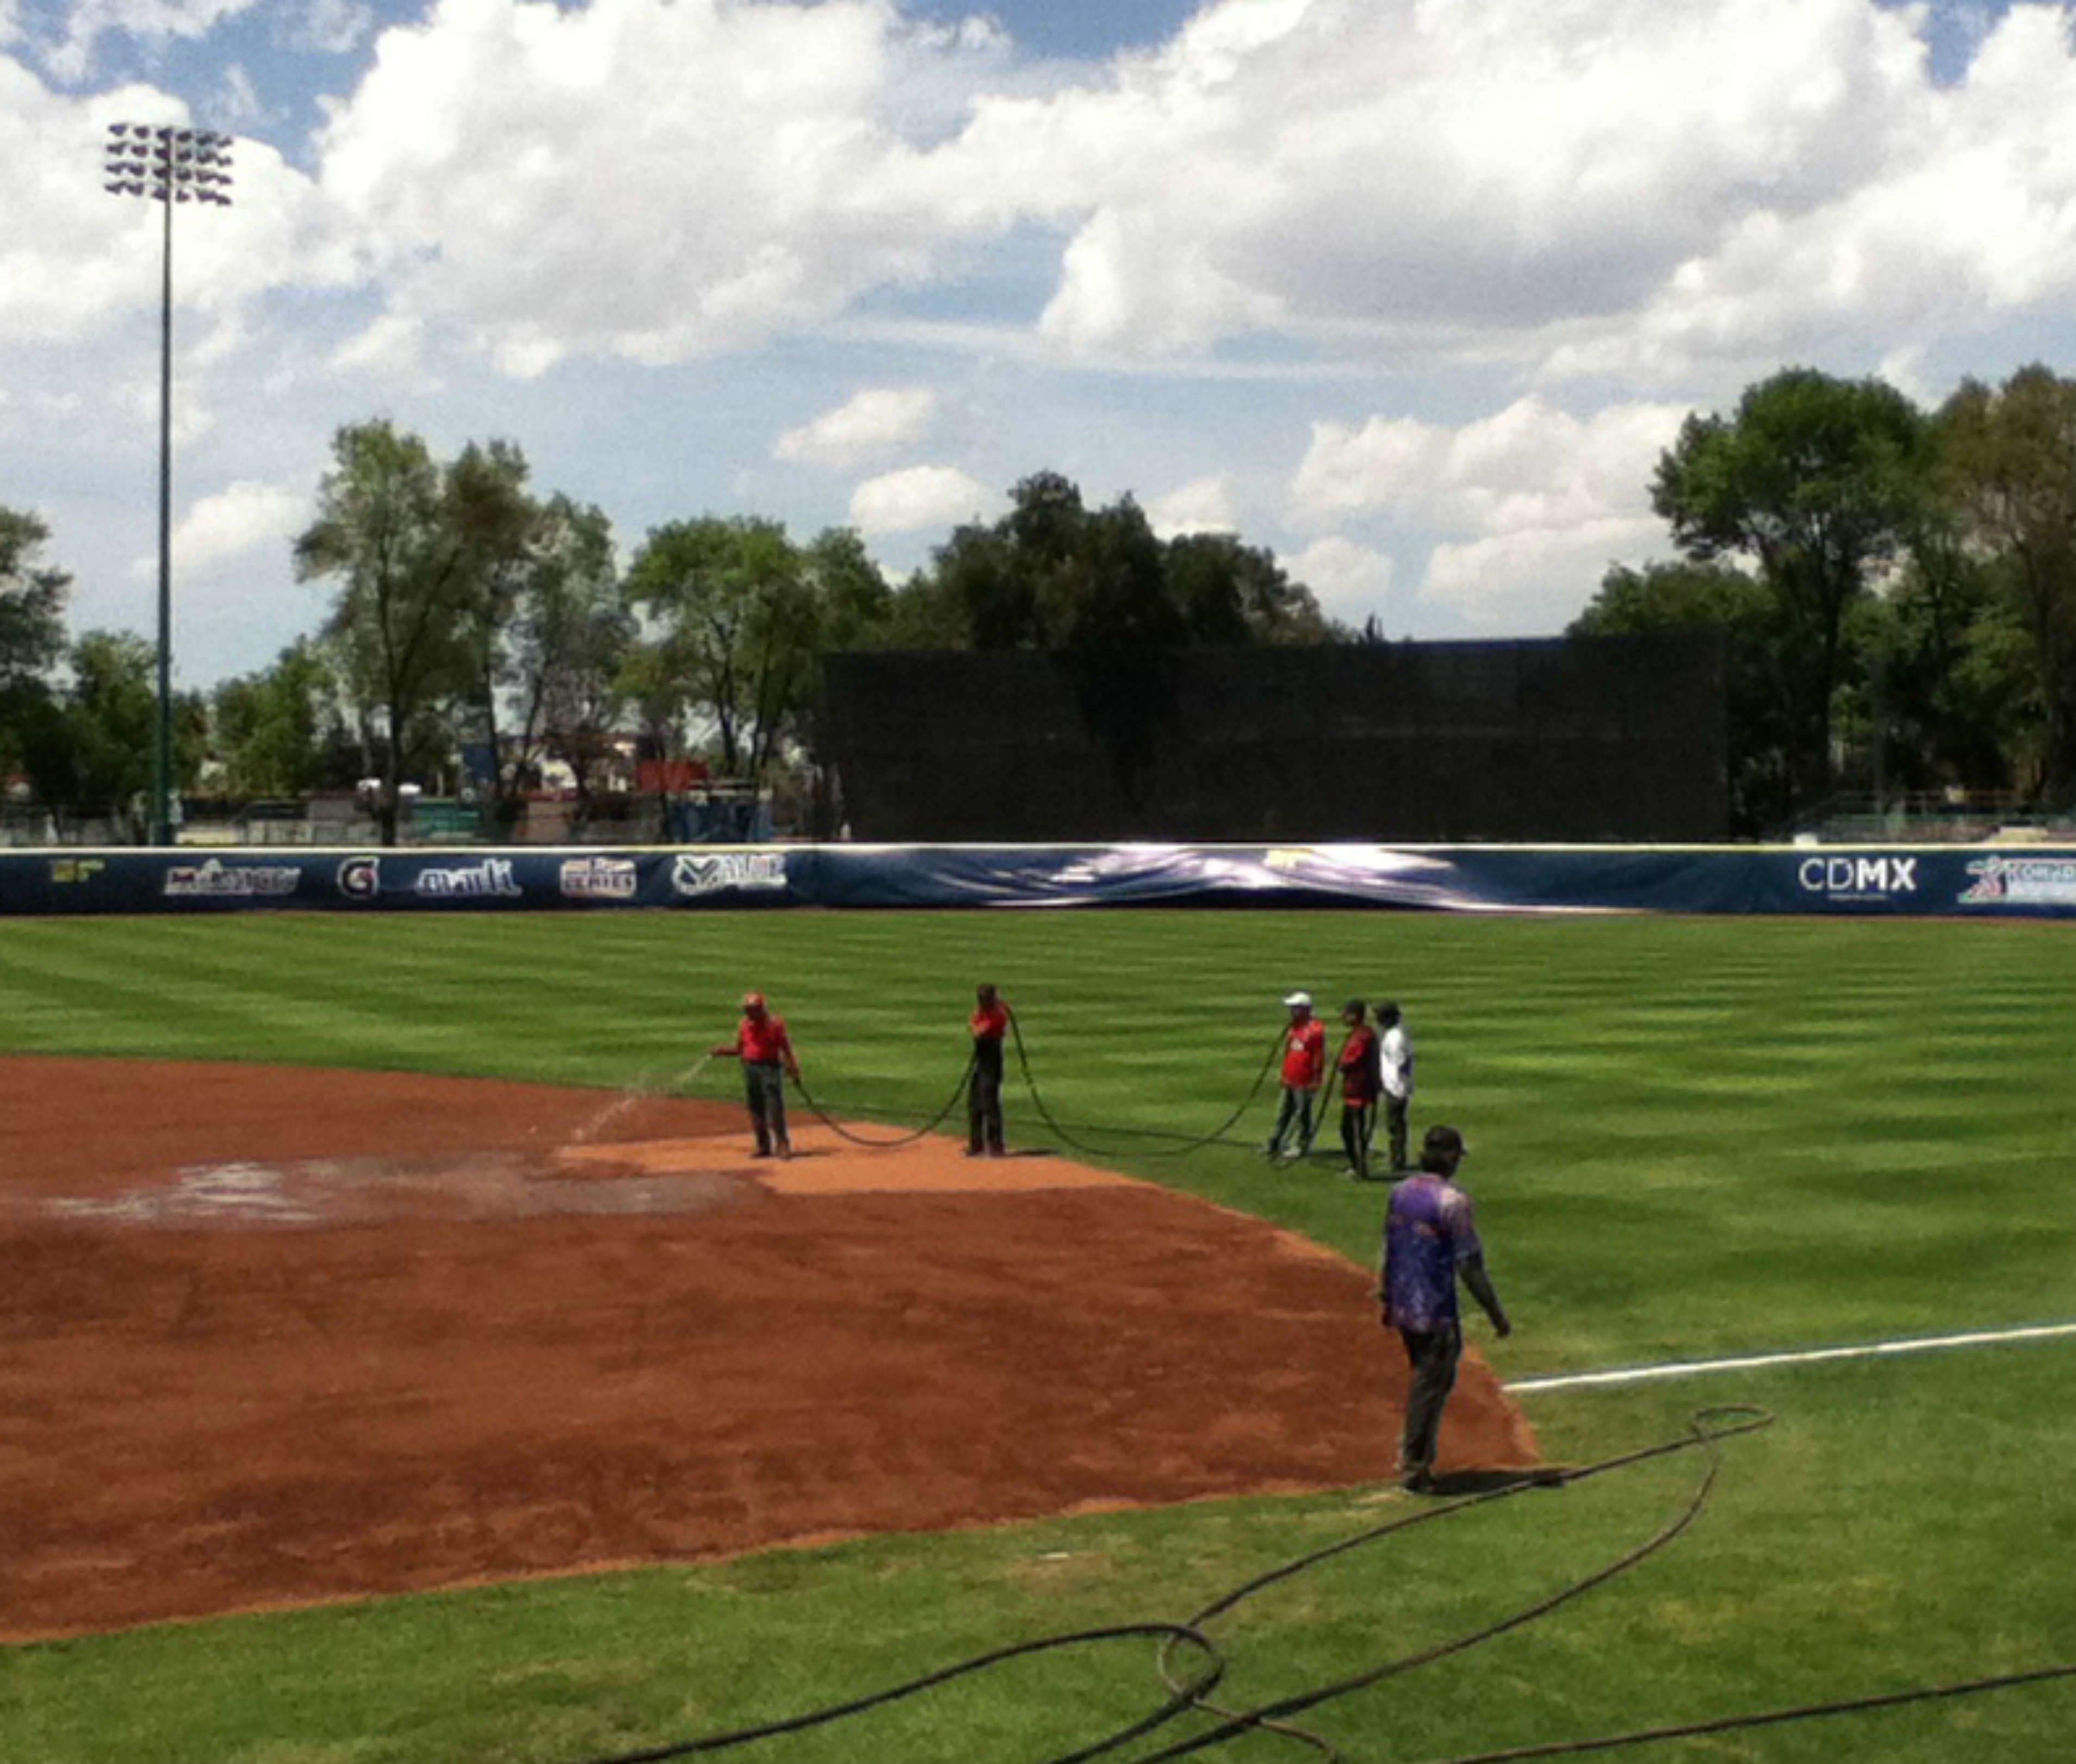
(1930,817)
(341,822)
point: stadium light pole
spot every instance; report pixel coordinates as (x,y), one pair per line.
(168,166)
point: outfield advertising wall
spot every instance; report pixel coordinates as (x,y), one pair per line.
(1960,881)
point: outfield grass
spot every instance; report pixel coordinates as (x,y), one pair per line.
(1689,1137)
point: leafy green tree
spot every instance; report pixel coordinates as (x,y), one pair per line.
(2008,460)
(1114,593)
(567,641)
(1053,573)
(94,753)
(276,731)
(1939,690)
(985,590)
(32,599)
(1681,597)
(650,683)
(1822,481)
(1233,592)
(729,611)
(511,530)
(853,602)
(422,553)
(924,614)
(104,759)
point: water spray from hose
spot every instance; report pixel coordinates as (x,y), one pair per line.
(640,1091)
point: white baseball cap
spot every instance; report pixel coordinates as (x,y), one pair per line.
(1298,999)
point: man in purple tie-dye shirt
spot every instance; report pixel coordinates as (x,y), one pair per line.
(1430,1243)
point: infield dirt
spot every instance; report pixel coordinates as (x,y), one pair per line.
(270,1336)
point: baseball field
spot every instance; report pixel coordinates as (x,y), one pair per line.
(400,1359)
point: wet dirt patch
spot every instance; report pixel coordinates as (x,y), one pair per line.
(248,1195)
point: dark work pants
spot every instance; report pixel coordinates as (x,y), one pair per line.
(764,1089)
(1433,1354)
(984,1110)
(1394,1118)
(1294,1110)
(1358,1119)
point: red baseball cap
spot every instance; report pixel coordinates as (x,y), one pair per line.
(753,1001)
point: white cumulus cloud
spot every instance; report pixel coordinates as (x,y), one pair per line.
(1202,505)
(1967,220)
(1529,465)
(917,497)
(73,257)
(1527,505)
(391,347)
(239,518)
(328,27)
(631,178)
(877,421)
(1618,187)
(70,54)
(1350,581)
(1536,578)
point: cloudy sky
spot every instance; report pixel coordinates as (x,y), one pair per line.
(1413,291)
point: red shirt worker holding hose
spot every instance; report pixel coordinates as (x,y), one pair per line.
(766,1053)
(1304,1071)
(989,1023)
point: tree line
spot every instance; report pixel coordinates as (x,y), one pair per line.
(469,611)
(1895,589)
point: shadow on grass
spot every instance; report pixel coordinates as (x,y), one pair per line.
(1486,1482)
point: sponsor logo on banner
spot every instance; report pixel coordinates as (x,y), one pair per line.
(76,869)
(1859,878)
(360,878)
(699,875)
(492,877)
(213,879)
(2021,882)
(600,878)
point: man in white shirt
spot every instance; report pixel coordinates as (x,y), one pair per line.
(1396,1050)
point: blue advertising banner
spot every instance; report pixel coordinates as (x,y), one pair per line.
(1973,882)
(415,880)
(1963,882)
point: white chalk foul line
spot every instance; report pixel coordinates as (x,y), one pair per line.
(1692,1368)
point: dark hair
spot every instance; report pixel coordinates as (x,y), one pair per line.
(1356,1008)
(1440,1146)
(1387,1015)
